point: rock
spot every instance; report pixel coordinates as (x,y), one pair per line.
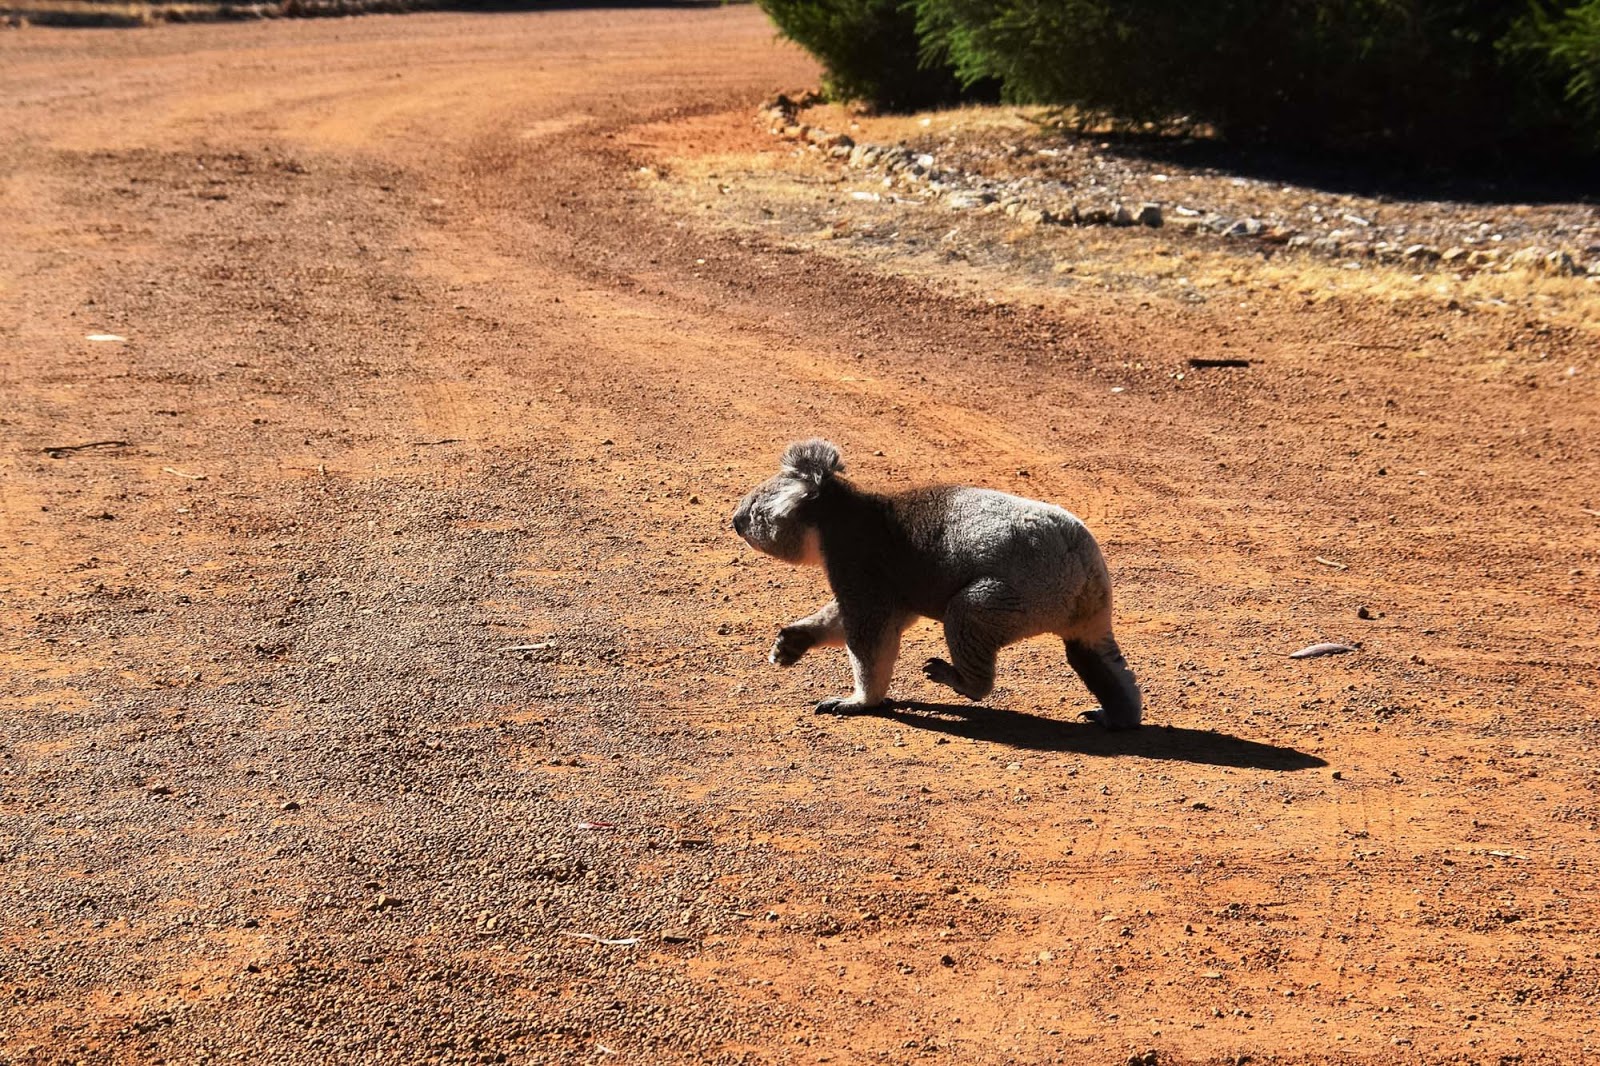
(1149,215)
(1121,216)
(826,138)
(1245,227)
(1453,255)
(1561,264)
(1480,257)
(1420,253)
(1093,216)
(1024,213)
(967,201)
(1530,260)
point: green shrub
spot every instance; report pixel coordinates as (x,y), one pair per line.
(1564,51)
(869,48)
(1433,78)
(1420,76)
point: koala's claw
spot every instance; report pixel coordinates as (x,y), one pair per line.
(789,647)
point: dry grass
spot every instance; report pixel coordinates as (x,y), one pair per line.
(814,202)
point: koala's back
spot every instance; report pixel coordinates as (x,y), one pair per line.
(1041,560)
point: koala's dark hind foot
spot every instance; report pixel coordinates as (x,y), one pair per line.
(942,673)
(1098,717)
(1105,672)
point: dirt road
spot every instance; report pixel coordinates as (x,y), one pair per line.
(382,682)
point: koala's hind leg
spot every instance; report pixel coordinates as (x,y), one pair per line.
(1105,672)
(823,629)
(980,620)
(873,644)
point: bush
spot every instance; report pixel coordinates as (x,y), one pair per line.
(1428,77)
(1434,78)
(870,50)
(1564,49)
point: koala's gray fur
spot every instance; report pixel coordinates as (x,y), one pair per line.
(994,568)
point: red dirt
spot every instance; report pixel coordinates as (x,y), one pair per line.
(416,371)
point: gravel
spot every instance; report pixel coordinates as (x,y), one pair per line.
(1048,178)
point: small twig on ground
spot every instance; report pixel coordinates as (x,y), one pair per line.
(1590,511)
(442,440)
(530,647)
(610,942)
(56,451)
(1316,651)
(180,473)
(1332,563)
(1198,363)
(1368,344)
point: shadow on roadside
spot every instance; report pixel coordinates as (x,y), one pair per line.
(1479,179)
(1019,729)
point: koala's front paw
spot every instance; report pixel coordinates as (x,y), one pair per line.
(847,705)
(792,643)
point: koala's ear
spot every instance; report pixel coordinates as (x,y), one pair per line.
(813,461)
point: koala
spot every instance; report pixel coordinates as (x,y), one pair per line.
(994,568)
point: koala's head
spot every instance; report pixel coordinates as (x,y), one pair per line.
(774,518)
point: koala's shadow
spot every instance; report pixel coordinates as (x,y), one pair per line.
(1019,729)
